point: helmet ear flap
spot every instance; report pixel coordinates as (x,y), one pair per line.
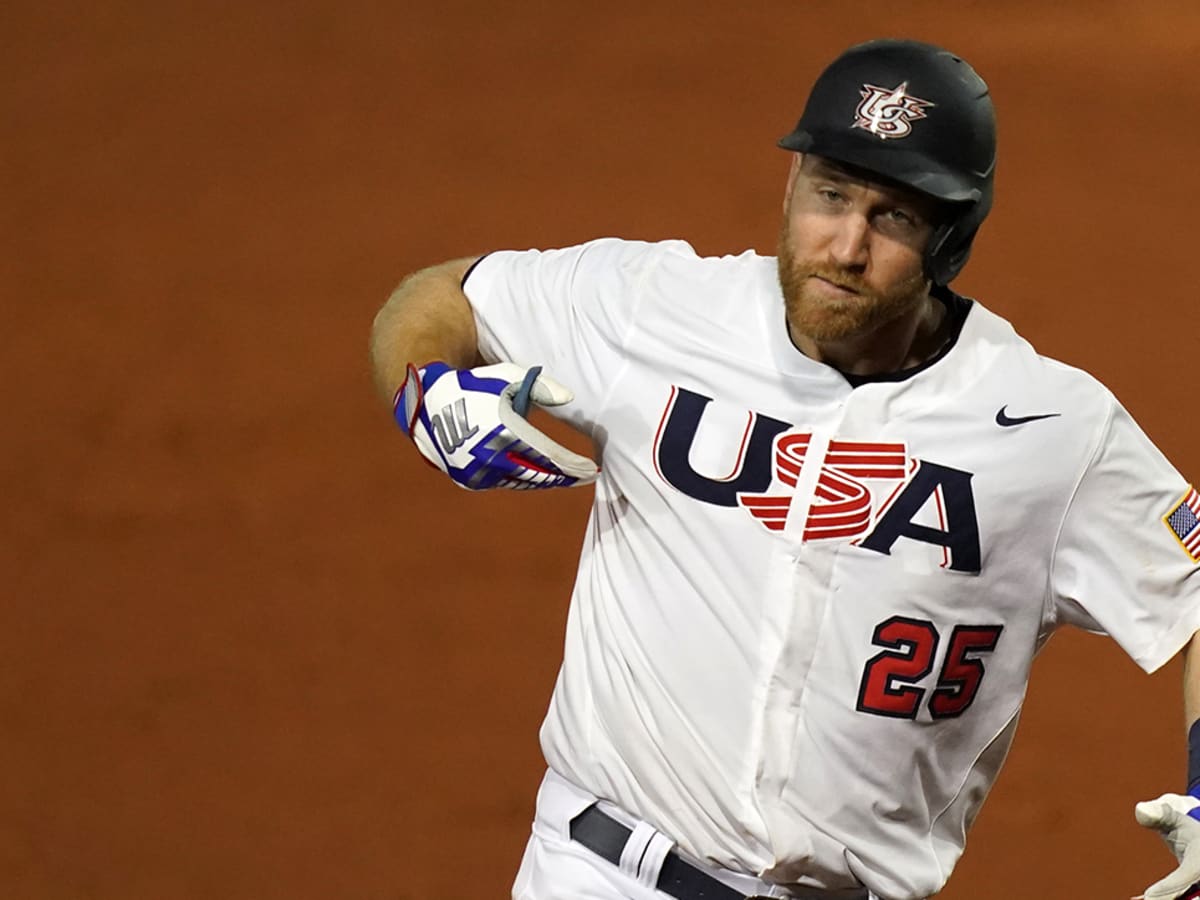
(949,246)
(935,263)
(947,252)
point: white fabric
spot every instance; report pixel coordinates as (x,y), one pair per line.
(713,667)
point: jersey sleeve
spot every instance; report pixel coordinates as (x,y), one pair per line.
(1125,563)
(569,310)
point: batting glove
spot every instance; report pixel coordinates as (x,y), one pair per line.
(1176,817)
(470,424)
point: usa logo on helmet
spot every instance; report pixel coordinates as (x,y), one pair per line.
(889,112)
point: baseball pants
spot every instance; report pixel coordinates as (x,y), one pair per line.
(556,867)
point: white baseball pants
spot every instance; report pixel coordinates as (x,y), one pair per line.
(556,868)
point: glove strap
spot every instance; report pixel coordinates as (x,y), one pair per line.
(522,397)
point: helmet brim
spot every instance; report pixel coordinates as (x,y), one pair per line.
(891,162)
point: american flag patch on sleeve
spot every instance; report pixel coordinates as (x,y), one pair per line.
(1184,522)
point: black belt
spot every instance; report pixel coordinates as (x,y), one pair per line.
(606,837)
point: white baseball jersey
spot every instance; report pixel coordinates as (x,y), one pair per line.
(806,611)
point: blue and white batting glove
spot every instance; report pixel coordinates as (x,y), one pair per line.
(470,424)
(1176,817)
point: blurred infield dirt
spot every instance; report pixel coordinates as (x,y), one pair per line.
(252,647)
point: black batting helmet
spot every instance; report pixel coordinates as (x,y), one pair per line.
(914,114)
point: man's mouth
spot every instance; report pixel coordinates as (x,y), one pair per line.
(837,285)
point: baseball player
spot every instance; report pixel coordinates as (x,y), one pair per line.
(818,565)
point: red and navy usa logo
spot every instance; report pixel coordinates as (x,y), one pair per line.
(867,493)
(843,494)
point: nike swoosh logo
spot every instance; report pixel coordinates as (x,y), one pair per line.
(1006,421)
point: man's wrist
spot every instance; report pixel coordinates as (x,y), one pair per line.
(1193,776)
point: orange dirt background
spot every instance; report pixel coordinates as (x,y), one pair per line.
(251,647)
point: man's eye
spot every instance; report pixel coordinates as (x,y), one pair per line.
(829,194)
(902,217)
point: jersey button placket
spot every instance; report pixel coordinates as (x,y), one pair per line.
(792,619)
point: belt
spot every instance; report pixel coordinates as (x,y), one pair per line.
(606,837)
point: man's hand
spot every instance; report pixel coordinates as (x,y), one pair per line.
(470,424)
(1176,817)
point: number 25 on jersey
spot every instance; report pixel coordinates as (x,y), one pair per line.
(890,679)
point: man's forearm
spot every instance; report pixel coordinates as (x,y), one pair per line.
(427,317)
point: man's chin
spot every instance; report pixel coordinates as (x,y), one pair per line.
(828,327)
(823,319)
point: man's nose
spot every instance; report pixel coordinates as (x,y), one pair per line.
(850,246)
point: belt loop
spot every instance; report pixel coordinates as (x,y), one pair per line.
(643,855)
(656,852)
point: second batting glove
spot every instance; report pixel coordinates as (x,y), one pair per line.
(1176,817)
(470,424)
